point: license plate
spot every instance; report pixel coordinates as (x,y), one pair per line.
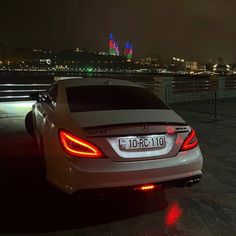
(148,142)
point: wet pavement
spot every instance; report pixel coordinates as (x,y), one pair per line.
(28,205)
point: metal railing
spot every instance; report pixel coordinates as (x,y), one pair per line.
(182,85)
(211,99)
(202,96)
(230,82)
(17,92)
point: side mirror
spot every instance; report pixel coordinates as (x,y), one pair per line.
(34,96)
(45,98)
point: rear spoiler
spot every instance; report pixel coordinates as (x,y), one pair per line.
(137,123)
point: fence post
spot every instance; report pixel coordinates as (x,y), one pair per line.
(221,87)
(214,88)
(214,118)
(164,83)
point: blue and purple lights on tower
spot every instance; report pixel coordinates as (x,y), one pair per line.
(113,46)
(128,53)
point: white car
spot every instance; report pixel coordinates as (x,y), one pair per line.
(105,133)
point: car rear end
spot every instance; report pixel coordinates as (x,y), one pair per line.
(126,137)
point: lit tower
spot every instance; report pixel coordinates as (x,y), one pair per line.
(113,46)
(128,53)
(117,48)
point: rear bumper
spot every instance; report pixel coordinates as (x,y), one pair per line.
(178,183)
(85,175)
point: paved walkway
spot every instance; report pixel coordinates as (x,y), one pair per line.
(14,109)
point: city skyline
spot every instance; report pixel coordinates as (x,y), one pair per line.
(186,29)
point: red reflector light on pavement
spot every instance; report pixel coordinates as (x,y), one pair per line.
(173,215)
(147,187)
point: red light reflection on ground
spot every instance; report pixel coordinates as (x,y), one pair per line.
(173,215)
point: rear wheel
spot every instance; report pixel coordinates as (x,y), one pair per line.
(29,125)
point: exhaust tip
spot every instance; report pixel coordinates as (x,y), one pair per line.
(191,182)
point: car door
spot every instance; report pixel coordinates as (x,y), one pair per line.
(44,109)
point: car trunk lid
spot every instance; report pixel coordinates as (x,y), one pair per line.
(152,133)
(93,119)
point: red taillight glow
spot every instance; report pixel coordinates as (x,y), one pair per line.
(190,142)
(147,187)
(78,147)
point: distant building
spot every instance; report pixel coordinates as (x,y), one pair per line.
(195,67)
(191,65)
(113,46)
(221,68)
(128,53)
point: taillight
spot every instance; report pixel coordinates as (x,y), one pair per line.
(190,142)
(78,147)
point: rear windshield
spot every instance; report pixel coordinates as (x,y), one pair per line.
(100,98)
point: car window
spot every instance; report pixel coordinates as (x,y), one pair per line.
(94,98)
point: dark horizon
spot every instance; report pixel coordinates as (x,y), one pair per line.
(190,30)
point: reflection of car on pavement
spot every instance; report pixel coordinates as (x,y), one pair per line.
(102,133)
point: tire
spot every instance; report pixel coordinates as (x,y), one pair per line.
(29,125)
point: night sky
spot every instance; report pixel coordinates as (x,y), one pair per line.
(201,30)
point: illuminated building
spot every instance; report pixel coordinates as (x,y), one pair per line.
(191,65)
(128,53)
(113,46)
